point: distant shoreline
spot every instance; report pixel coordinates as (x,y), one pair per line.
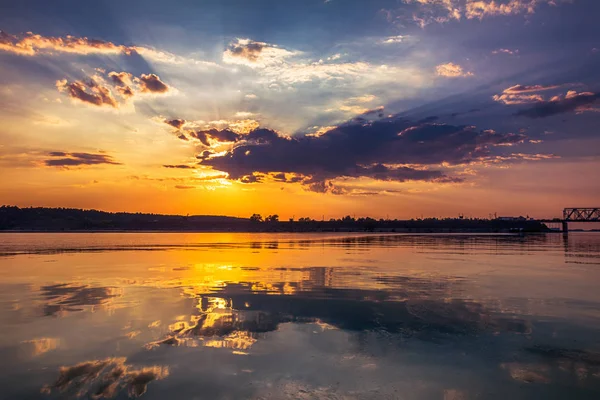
(55,220)
(456,232)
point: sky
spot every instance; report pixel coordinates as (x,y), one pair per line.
(382,108)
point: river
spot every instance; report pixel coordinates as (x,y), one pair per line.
(299,316)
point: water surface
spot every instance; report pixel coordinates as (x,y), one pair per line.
(307,316)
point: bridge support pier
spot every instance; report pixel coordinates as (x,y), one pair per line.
(565,228)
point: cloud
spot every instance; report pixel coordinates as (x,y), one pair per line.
(30,44)
(573,101)
(442,11)
(120,78)
(511,99)
(62,159)
(123,81)
(435,11)
(179,166)
(451,70)
(279,67)
(247,49)
(394,39)
(557,104)
(95,90)
(488,8)
(175,123)
(255,54)
(88,92)
(206,137)
(529,88)
(151,83)
(244,114)
(184,187)
(125,91)
(523,94)
(391,149)
(506,51)
(367,98)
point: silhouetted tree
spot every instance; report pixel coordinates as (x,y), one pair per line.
(272,218)
(256,218)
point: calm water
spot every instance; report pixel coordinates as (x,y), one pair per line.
(261,316)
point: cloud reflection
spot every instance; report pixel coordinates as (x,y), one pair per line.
(412,307)
(107,378)
(62,298)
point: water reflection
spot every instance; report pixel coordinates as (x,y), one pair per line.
(572,367)
(68,297)
(218,324)
(99,379)
(33,243)
(358,317)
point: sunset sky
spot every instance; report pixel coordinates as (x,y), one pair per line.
(396,108)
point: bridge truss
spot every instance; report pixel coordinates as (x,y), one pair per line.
(581,214)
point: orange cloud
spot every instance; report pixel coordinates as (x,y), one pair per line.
(510,99)
(527,94)
(483,8)
(442,11)
(452,70)
(94,91)
(31,44)
(88,92)
(151,83)
(572,102)
(529,88)
(120,78)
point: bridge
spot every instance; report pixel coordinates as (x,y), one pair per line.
(577,214)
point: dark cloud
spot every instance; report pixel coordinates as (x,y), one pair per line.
(184,187)
(224,135)
(151,83)
(432,118)
(88,92)
(73,159)
(204,155)
(180,166)
(250,50)
(175,123)
(280,177)
(571,102)
(456,114)
(253,178)
(392,149)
